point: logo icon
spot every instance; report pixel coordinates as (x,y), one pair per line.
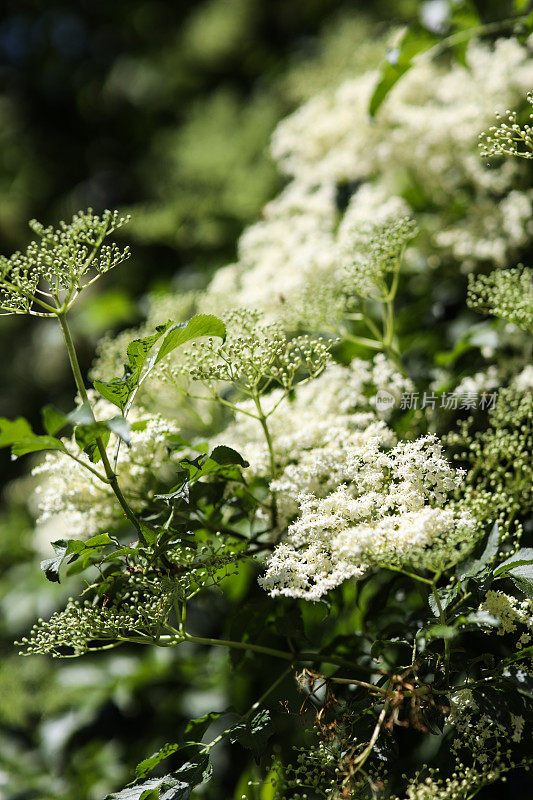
(384,400)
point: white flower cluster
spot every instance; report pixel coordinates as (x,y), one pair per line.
(388,508)
(425,135)
(320,414)
(73,499)
(512,615)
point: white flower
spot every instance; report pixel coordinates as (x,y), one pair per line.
(72,498)
(388,508)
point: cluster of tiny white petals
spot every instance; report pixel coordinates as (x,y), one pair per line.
(71,496)
(389,508)
(319,420)
(427,130)
(480,382)
(512,615)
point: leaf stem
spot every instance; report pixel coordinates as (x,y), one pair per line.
(78,378)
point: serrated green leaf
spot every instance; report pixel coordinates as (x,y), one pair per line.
(147,765)
(519,568)
(116,391)
(438,632)
(176,786)
(199,325)
(142,791)
(522,577)
(33,444)
(481,617)
(254,733)
(121,391)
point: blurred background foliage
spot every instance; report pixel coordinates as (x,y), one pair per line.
(165,110)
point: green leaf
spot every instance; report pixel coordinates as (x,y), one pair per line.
(414,40)
(522,577)
(141,791)
(518,559)
(197,727)
(227,455)
(13,430)
(176,786)
(199,325)
(53,419)
(519,568)
(100,540)
(87,437)
(254,733)
(147,765)
(51,566)
(35,443)
(480,617)
(438,632)
(120,391)
(472,567)
(76,549)
(116,391)
(19,435)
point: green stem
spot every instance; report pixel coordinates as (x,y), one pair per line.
(170,641)
(273,469)
(78,378)
(252,708)
(442,621)
(412,575)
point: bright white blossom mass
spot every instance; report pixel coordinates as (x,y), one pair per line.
(390,508)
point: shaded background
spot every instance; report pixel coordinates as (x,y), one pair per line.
(165,110)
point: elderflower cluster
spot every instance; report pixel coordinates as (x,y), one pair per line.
(512,615)
(389,508)
(321,415)
(62,262)
(254,351)
(509,138)
(71,496)
(506,293)
(344,171)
